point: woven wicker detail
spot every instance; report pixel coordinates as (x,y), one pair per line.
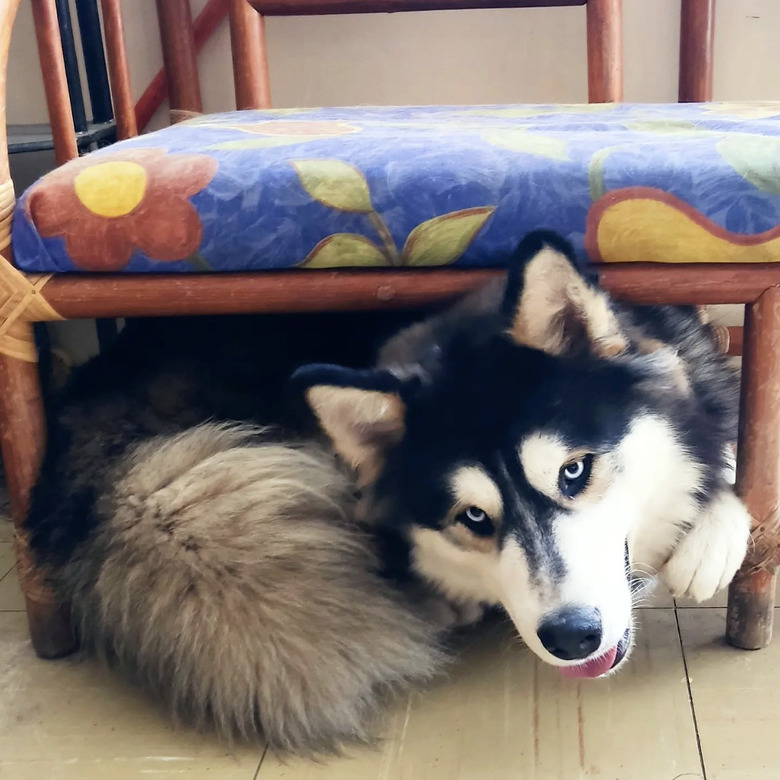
(7,203)
(764,553)
(722,337)
(20,294)
(719,332)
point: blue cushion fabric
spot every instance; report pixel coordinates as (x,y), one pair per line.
(414,187)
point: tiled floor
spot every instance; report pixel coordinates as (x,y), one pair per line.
(686,707)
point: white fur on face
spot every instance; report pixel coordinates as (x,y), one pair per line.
(591,544)
(471,486)
(461,574)
(461,571)
(645,493)
(542,456)
(661,483)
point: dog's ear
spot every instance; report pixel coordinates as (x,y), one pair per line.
(362,412)
(550,306)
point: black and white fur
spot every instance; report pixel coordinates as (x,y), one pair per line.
(257,584)
(481,411)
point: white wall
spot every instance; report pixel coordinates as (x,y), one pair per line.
(524,55)
(447,56)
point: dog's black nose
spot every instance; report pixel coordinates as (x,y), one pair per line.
(571,634)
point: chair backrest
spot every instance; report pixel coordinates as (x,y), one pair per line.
(182,36)
(605,52)
(179,45)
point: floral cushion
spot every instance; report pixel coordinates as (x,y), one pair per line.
(414,187)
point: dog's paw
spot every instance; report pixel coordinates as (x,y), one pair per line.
(706,559)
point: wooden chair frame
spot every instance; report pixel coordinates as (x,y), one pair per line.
(29,298)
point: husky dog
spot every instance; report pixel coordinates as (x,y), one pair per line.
(520,449)
(530,446)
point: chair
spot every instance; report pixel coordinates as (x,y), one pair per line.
(719,265)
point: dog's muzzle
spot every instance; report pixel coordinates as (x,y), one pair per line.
(576,634)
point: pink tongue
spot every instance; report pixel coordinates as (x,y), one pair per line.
(594,668)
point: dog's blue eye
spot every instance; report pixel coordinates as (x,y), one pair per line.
(477,521)
(574,476)
(475,515)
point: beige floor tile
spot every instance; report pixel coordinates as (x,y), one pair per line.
(6,530)
(10,595)
(6,558)
(502,715)
(155,768)
(72,720)
(719,600)
(736,695)
(11,599)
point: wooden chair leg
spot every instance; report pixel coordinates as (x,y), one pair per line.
(250,62)
(697,35)
(752,594)
(605,51)
(22,431)
(179,54)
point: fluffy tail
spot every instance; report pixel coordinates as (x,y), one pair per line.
(226,575)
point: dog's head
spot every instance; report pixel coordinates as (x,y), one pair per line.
(515,459)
